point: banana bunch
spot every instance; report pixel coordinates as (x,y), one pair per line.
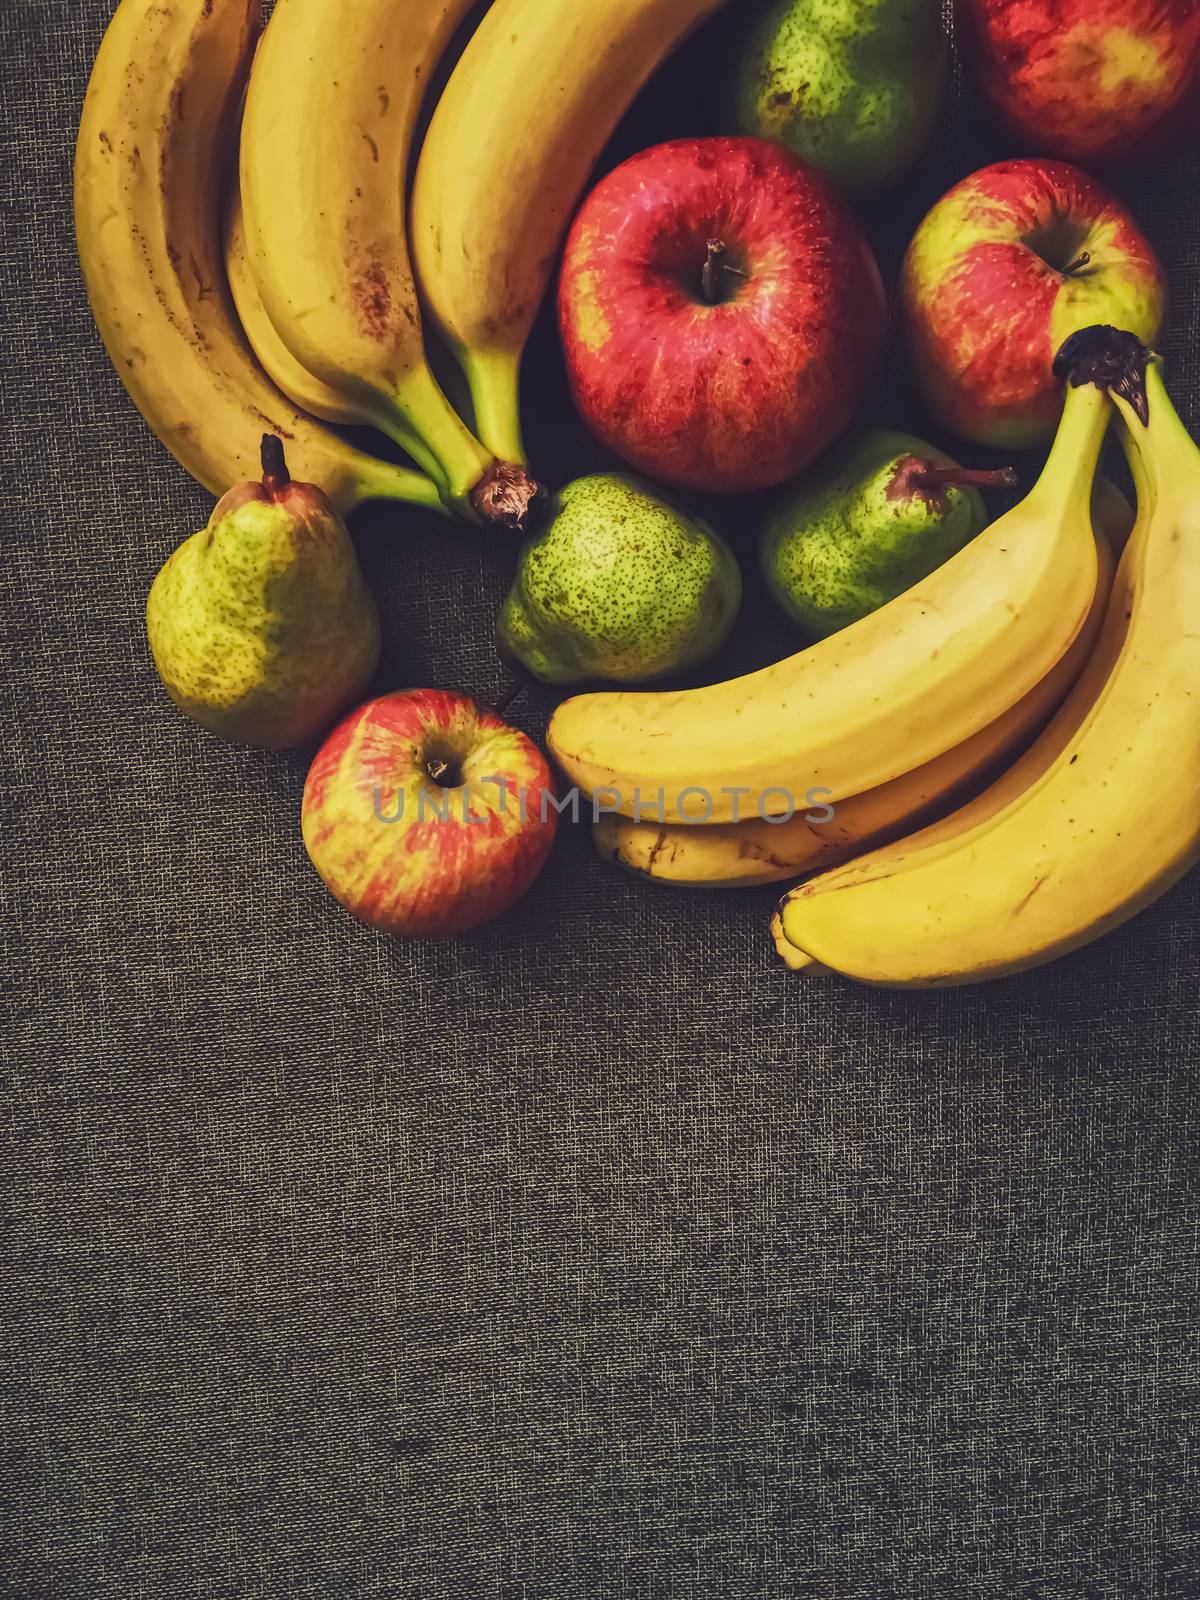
(897,690)
(159,124)
(1102,814)
(284,299)
(1074,807)
(742,855)
(326,142)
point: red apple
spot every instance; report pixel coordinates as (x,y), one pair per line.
(1097,80)
(425,815)
(1007,265)
(721,313)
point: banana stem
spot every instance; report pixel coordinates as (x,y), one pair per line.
(1158,448)
(381,480)
(494,378)
(474,484)
(399,432)
(446,447)
(1070,470)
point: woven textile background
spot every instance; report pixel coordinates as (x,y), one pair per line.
(590,1256)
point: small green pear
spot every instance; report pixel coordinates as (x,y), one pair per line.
(261,625)
(883,512)
(620,584)
(853,86)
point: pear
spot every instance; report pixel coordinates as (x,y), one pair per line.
(852,86)
(620,584)
(261,625)
(883,512)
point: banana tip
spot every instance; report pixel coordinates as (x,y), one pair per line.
(791,955)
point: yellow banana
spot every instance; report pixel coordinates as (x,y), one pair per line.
(1098,819)
(149,165)
(741,855)
(888,694)
(326,138)
(526,112)
(276,360)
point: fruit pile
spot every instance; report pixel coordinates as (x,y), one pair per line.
(985,750)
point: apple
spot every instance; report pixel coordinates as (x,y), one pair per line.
(1095,80)
(1004,268)
(721,313)
(426,815)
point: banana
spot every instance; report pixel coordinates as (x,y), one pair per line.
(888,694)
(526,112)
(276,360)
(741,855)
(326,137)
(1100,817)
(149,162)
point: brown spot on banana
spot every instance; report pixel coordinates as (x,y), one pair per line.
(372,300)
(656,850)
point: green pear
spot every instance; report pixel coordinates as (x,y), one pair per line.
(853,86)
(620,584)
(883,512)
(261,625)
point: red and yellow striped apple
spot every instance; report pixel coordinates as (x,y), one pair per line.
(426,815)
(1003,269)
(721,313)
(1093,80)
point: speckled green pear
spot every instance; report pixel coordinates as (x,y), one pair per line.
(620,584)
(854,86)
(877,516)
(261,625)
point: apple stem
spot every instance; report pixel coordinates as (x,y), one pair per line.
(513,692)
(275,475)
(1078,264)
(711,286)
(965,477)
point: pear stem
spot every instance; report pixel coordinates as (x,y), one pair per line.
(965,477)
(275,475)
(512,693)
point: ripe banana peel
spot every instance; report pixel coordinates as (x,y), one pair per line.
(1101,816)
(739,855)
(325,145)
(276,360)
(314,398)
(529,107)
(892,692)
(152,149)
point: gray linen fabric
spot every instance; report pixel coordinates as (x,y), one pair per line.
(592,1255)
